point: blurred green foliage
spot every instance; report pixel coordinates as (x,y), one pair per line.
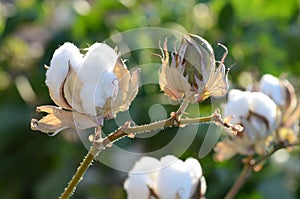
(263,36)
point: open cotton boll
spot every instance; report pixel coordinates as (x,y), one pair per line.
(142,177)
(272,87)
(58,70)
(174,179)
(237,105)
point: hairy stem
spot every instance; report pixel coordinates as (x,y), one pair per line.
(170,122)
(87,161)
(85,164)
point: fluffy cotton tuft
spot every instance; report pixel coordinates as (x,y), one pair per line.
(96,74)
(272,87)
(59,68)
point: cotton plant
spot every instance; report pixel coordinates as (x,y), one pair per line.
(166,178)
(92,85)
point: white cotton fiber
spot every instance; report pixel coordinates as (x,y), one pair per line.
(59,67)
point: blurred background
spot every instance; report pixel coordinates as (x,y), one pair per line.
(262,36)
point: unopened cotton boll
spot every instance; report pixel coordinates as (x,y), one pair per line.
(66,56)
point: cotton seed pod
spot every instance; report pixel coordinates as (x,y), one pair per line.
(192,72)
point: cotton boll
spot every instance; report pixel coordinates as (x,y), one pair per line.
(272,87)
(58,70)
(96,94)
(191,72)
(169,178)
(174,179)
(235,93)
